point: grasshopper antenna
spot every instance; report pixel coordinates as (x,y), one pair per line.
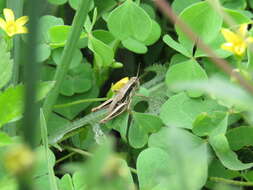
(138,70)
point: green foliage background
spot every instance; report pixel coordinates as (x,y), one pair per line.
(189,125)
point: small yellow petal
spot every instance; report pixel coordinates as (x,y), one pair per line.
(242,31)
(22,30)
(118,85)
(9,15)
(2,24)
(230,36)
(249,40)
(22,20)
(239,50)
(228,47)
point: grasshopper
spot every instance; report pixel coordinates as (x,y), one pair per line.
(121,101)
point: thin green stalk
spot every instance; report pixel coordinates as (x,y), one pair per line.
(17,7)
(31,76)
(44,134)
(80,102)
(79,151)
(65,157)
(231,182)
(66,57)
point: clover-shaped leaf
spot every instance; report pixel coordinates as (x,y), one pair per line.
(143,124)
(203,19)
(184,150)
(239,137)
(45,23)
(181,110)
(104,54)
(205,123)
(186,72)
(76,60)
(129,20)
(150,177)
(225,154)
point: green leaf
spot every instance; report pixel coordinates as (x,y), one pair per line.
(178,58)
(188,156)
(239,137)
(137,135)
(8,183)
(75,4)
(67,88)
(134,45)
(75,61)
(236,16)
(120,124)
(12,101)
(181,111)
(227,93)
(44,52)
(71,111)
(250,57)
(66,183)
(205,123)
(225,154)
(154,34)
(6,64)
(5,139)
(45,23)
(216,47)
(57,2)
(158,174)
(104,6)
(161,139)
(44,135)
(175,45)
(2,5)
(142,125)
(56,123)
(104,36)
(42,162)
(149,10)
(186,72)
(239,4)
(81,85)
(180,5)
(202,19)
(103,53)
(58,35)
(129,20)
(42,182)
(216,169)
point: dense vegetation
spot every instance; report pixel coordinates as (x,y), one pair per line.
(179,93)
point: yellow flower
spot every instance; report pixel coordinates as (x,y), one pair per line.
(237,42)
(118,85)
(19,159)
(12,26)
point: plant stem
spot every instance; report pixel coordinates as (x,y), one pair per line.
(80,101)
(85,153)
(31,76)
(79,151)
(66,57)
(229,181)
(65,157)
(17,7)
